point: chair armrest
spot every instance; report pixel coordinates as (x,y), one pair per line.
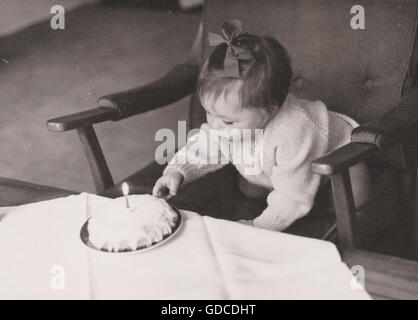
(176,84)
(343,158)
(82,119)
(385,276)
(173,86)
(396,126)
(337,164)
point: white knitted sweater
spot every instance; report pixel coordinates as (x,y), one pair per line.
(297,134)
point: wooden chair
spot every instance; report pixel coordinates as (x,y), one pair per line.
(369,74)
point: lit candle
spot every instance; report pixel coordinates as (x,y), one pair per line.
(125,190)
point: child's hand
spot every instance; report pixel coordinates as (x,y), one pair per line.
(279,220)
(247,222)
(167,185)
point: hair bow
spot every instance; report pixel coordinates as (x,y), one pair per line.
(230,30)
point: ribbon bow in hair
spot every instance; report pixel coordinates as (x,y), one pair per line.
(230,30)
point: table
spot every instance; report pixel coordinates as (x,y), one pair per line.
(16,192)
(386,277)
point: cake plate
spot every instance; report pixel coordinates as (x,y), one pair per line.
(84,235)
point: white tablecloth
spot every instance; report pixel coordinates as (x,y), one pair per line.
(208,259)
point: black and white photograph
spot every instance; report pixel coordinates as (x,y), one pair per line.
(226,152)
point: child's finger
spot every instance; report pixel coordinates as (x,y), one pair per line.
(155,189)
(174,186)
(247,222)
(158,190)
(164,192)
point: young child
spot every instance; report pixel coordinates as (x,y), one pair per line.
(244,84)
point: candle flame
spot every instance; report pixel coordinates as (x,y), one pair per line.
(125,189)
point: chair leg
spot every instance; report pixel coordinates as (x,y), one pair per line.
(97,162)
(344,207)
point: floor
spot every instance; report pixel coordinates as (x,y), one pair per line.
(46,73)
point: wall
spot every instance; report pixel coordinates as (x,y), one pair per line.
(18,14)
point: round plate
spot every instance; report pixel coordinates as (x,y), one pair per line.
(84,235)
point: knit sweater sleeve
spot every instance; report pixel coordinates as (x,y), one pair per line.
(294,183)
(201,155)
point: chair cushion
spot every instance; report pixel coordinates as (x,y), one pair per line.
(361,73)
(217,195)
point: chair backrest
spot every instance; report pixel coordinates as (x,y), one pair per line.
(360,72)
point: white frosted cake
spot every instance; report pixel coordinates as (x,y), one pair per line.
(116,228)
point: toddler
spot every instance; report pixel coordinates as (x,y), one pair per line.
(244,86)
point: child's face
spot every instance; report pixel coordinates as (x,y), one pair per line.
(226,112)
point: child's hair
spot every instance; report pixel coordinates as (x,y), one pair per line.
(266,80)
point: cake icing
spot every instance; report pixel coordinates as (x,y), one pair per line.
(116,228)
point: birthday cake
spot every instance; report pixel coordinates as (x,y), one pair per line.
(147,221)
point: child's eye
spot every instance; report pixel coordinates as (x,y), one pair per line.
(228,122)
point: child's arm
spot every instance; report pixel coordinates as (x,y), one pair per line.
(294,183)
(197,158)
